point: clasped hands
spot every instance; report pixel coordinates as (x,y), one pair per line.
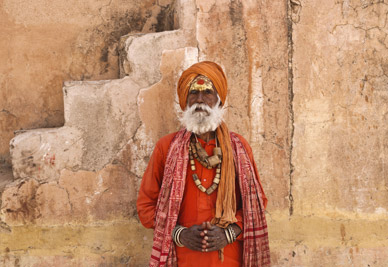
(205,237)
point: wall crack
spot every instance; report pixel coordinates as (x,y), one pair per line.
(290,18)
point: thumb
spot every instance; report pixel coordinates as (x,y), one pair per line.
(209,225)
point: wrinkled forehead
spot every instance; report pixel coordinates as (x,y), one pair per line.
(201,83)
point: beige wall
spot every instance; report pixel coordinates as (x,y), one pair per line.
(307,88)
(339,155)
(44,43)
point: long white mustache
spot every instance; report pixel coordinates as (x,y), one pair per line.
(202,122)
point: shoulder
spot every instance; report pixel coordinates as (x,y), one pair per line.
(164,143)
(242,140)
(167,138)
(247,148)
(161,148)
(245,144)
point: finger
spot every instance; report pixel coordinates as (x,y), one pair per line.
(197,246)
(203,226)
(203,233)
(192,235)
(214,240)
(216,246)
(212,249)
(211,246)
(215,232)
(213,228)
(209,225)
(192,239)
(196,228)
(220,237)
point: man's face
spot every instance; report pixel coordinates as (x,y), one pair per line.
(202,94)
(203,112)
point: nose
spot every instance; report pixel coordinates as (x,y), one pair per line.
(199,98)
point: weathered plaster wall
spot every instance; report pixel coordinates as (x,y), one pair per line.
(62,214)
(308,89)
(72,201)
(340,93)
(249,39)
(44,43)
(339,146)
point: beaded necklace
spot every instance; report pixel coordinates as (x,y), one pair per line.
(196,150)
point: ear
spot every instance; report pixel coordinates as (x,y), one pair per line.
(219,99)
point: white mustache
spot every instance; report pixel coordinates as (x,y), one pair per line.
(202,122)
(201,106)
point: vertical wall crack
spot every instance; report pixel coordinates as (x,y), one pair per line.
(290,98)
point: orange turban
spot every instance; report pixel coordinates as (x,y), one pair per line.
(226,197)
(207,68)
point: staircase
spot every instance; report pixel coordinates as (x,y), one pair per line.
(100,116)
(87,172)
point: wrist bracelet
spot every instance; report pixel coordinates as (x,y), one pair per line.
(230,234)
(176,235)
(228,237)
(233,233)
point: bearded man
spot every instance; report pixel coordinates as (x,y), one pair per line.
(201,191)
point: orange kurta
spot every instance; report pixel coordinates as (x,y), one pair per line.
(196,207)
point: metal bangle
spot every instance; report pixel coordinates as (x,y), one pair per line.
(233,233)
(228,238)
(176,235)
(178,240)
(174,232)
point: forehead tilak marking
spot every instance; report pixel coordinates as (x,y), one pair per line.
(201,83)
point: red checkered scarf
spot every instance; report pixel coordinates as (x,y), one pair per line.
(256,249)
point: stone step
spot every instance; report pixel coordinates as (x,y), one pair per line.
(100,119)
(140,54)
(42,153)
(101,116)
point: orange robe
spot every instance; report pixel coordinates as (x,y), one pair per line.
(196,207)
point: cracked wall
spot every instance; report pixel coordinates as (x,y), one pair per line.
(339,147)
(254,55)
(308,89)
(44,43)
(90,213)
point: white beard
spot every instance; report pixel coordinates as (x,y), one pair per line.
(202,122)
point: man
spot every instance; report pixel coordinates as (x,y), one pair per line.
(201,191)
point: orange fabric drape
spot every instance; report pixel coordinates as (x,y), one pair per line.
(226,202)
(196,206)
